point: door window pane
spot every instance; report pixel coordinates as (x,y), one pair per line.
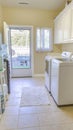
(20,48)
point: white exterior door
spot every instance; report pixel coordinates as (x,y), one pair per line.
(20,51)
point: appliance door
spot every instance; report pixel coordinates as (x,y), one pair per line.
(55,80)
(47,74)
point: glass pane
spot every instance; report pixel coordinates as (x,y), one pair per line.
(20,45)
(38,39)
(46,39)
(42,38)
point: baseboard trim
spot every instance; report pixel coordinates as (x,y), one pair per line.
(38,75)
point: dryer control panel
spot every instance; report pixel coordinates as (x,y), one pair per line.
(67,55)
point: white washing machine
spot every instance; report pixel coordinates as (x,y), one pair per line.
(48,60)
(62,81)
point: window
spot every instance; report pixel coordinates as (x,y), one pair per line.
(44,39)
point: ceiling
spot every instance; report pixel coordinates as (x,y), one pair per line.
(40,4)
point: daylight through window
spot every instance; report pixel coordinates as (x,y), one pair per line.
(44,39)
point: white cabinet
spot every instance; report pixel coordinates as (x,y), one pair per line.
(58,31)
(72,24)
(63,27)
(67,25)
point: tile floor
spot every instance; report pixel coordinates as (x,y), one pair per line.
(49,117)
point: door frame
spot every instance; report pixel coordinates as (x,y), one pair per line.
(31,47)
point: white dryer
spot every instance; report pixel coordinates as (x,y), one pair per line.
(62,81)
(48,60)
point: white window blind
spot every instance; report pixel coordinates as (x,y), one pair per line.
(44,39)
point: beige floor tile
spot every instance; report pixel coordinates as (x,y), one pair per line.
(58,127)
(11,110)
(55,108)
(18,95)
(52,102)
(67,108)
(40,109)
(33,82)
(63,127)
(13,102)
(9,122)
(46,117)
(28,120)
(50,127)
(54,118)
(43,109)
(15,95)
(29,128)
(2,128)
(27,110)
(35,109)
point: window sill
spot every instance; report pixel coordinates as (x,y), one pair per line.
(45,50)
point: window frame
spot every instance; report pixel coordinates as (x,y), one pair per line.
(42,40)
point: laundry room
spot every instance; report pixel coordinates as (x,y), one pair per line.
(36,65)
